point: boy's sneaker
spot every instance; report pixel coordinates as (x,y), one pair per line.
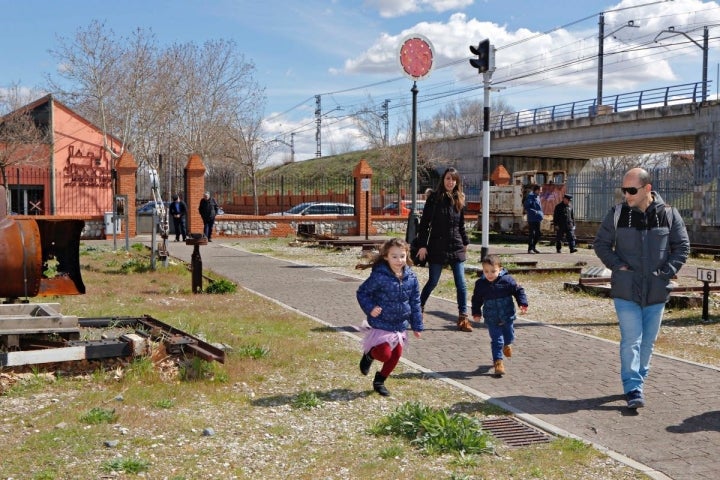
(499,368)
(635,399)
(507,350)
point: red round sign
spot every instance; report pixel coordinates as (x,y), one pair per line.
(416,56)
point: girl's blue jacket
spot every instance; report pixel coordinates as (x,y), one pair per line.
(398,298)
(494,300)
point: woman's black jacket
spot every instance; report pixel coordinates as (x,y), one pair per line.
(446,226)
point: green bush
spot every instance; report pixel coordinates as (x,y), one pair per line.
(221,286)
(435,431)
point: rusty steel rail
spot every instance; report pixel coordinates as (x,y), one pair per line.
(176,341)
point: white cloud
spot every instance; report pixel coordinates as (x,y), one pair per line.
(398,8)
(560,56)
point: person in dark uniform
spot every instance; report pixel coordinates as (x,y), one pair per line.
(178,212)
(564,222)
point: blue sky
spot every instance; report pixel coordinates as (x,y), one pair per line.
(347,50)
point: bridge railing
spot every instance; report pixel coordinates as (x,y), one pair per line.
(653,98)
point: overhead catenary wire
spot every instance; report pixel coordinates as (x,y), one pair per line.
(572,55)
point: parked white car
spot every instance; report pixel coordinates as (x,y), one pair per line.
(319,208)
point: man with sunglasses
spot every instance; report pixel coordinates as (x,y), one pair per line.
(644,247)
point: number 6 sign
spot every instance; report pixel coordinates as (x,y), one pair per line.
(707,275)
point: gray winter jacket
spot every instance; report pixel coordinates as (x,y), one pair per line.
(653,245)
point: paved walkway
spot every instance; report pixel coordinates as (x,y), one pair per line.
(564,382)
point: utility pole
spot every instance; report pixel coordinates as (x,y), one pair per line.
(703,47)
(601,54)
(318,122)
(485,64)
(386,119)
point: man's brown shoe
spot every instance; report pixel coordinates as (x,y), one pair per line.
(463,323)
(499,368)
(507,350)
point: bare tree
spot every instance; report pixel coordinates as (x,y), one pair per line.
(172,101)
(23,141)
(247,148)
(459,119)
(91,64)
(624,163)
(371,124)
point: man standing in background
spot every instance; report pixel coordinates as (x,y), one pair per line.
(178,212)
(534,213)
(208,209)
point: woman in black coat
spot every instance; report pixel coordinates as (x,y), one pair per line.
(444,241)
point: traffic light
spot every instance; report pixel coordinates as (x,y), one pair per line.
(484,61)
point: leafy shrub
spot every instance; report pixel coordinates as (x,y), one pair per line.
(221,286)
(127,465)
(435,431)
(253,351)
(306,400)
(98,415)
(135,265)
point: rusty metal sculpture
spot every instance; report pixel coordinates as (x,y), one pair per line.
(39,257)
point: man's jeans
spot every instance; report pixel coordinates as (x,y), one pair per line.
(639,327)
(458,270)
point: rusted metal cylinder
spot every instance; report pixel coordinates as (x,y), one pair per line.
(20,258)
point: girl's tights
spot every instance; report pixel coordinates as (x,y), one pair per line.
(389,357)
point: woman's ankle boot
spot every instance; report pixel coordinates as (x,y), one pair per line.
(379,385)
(365,363)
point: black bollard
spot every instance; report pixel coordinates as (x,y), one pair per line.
(196,261)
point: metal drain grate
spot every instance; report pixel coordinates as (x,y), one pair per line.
(513,432)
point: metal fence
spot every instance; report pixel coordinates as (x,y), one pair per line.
(31,193)
(657,97)
(594,193)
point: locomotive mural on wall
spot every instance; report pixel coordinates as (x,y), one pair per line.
(507,197)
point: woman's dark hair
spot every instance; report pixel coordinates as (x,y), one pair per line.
(457,195)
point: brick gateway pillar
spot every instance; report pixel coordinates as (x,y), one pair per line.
(194,190)
(126,182)
(362,173)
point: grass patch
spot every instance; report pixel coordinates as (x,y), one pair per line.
(435,431)
(306,401)
(126,465)
(99,415)
(261,404)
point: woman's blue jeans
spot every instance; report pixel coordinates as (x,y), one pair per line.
(639,327)
(435,270)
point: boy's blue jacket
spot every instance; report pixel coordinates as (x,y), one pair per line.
(399,299)
(494,300)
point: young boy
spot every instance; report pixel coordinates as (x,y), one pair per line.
(493,298)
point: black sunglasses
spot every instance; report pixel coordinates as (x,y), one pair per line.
(630,190)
